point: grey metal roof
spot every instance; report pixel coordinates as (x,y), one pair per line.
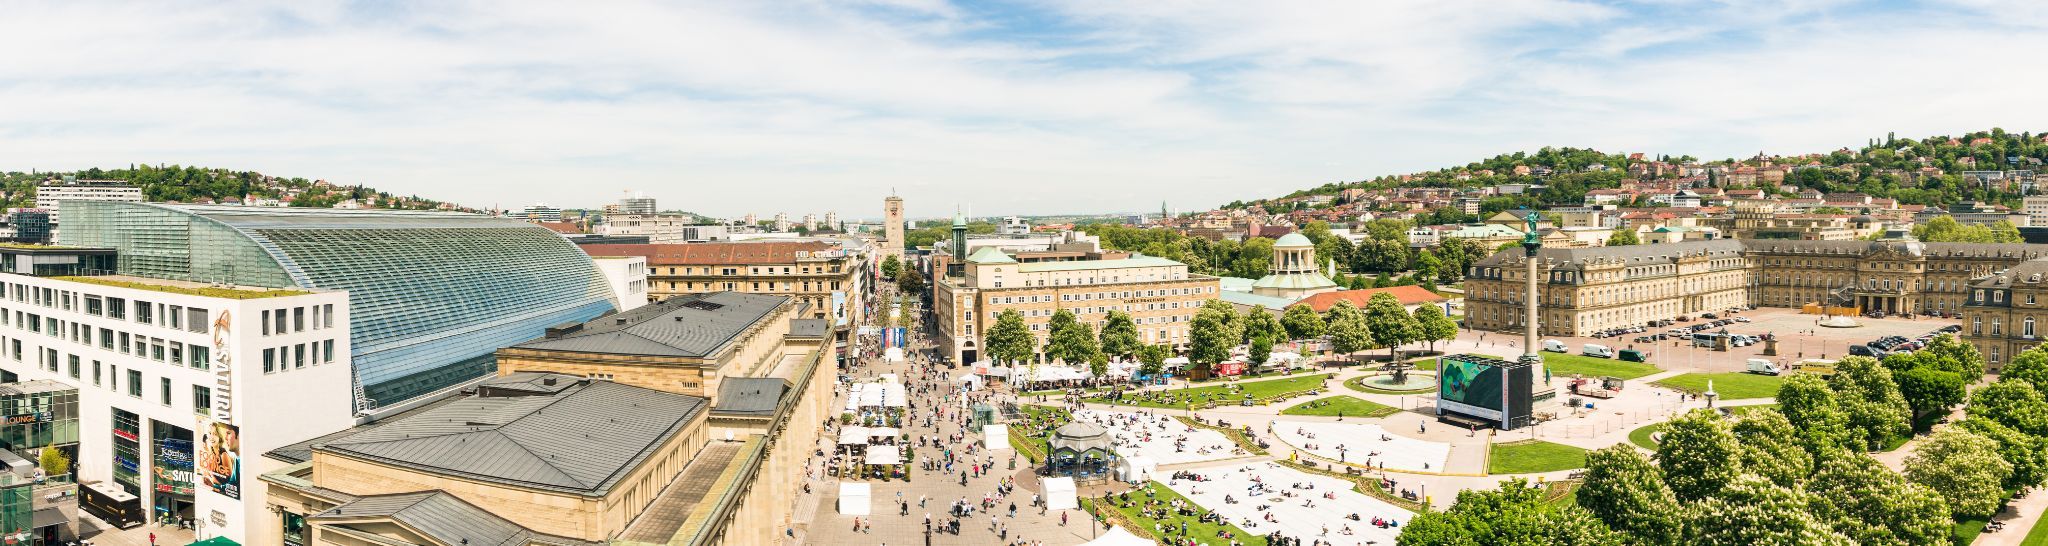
(580,439)
(315,218)
(749,395)
(695,325)
(809,327)
(442,517)
(32,387)
(303,451)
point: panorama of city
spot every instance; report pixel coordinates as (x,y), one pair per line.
(945,272)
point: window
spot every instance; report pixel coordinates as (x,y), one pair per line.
(1976,329)
(145,312)
(117,308)
(269,360)
(327,347)
(202,399)
(95,306)
(95,373)
(176,317)
(165,390)
(299,355)
(135,383)
(298,319)
(199,356)
(72,360)
(106,339)
(124,343)
(266,322)
(2027,329)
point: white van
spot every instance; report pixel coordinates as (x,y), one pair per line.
(1555,346)
(1597,351)
(1761,366)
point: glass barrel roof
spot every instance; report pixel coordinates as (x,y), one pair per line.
(431,294)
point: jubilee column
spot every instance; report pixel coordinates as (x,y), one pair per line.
(1530,243)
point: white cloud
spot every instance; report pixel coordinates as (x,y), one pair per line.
(728,108)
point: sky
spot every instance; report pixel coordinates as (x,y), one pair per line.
(1064,106)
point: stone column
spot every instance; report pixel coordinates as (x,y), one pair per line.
(1529,342)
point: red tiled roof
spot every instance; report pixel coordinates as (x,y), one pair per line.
(710,253)
(1409,295)
(567,228)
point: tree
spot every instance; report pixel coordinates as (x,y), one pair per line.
(1427,265)
(1771,448)
(1098,364)
(1152,359)
(1964,468)
(1810,407)
(1752,511)
(1699,455)
(1930,391)
(1009,341)
(1878,414)
(2011,403)
(1390,324)
(2030,365)
(1260,323)
(1259,351)
(909,282)
(891,266)
(1210,342)
(1514,514)
(1347,328)
(1233,323)
(1872,505)
(2027,453)
(1119,335)
(1624,489)
(1071,341)
(1434,326)
(1944,353)
(53,462)
(1302,322)
(1623,237)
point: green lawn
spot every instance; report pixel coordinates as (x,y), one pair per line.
(1202,532)
(1035,448)
(1567,364)
(1531,456)
(1222,394)
(1731,385)
(1341,406)
(1967,529)
(1641,436)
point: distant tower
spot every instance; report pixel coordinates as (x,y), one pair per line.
(892,225)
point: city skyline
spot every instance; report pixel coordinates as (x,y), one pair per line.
(834,104)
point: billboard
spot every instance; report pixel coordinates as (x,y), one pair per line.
(220,458)
(1470,386)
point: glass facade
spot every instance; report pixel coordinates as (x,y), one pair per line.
(128,451)
(39,415)
(431,295)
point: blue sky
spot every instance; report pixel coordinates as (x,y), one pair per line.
(727,108)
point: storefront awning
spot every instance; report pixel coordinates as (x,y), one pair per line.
(216,541)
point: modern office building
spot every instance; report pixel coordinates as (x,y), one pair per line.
(637,204)
(31,226)
(662,228)
(51,195)
(431,294)
(174,379)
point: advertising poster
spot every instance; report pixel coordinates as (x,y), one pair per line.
(220,458)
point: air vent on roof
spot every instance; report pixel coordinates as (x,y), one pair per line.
(704,305)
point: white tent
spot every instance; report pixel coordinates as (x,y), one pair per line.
(893,354)
(1060,493)
(1136,468)
(995,436)
(1285,360)
(870,394)
(968,381)
(855,499)
(1176,363)
(853,436)
(1117,536)
(883,432)
(884,455)
(895,395)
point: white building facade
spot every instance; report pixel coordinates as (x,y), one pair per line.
(51,195)
(180,393)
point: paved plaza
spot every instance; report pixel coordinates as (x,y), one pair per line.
(1264,497)
(1363,444)
(1161,438)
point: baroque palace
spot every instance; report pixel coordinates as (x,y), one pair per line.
(1586,290)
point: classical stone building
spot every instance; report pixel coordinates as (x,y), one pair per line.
(1160,295)
(2007,312)
(1590,289)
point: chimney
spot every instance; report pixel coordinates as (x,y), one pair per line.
(549,381)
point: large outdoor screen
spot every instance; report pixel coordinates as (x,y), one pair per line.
(1470,386)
